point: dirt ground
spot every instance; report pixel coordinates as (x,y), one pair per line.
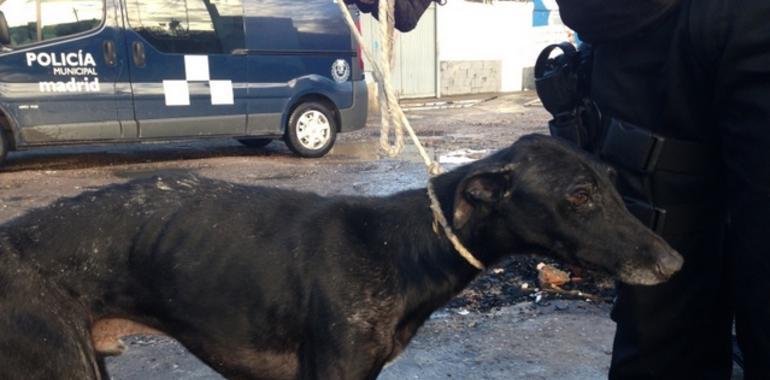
(35,178)
(502,327)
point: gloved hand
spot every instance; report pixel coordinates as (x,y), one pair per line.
(408,12)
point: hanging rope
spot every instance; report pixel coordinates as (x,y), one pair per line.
(393,117)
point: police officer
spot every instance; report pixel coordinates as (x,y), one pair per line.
(675,94)
(677,98)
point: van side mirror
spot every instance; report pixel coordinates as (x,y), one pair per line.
(5,33)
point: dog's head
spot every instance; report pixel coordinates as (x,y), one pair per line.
(543,196)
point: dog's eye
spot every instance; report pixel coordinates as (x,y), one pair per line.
(579,197)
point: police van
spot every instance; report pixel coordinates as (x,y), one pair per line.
(111,71)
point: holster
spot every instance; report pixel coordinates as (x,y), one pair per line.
(562,83)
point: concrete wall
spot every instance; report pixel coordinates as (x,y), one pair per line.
(477,39)
(470,77)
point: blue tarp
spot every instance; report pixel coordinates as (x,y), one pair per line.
(541,15)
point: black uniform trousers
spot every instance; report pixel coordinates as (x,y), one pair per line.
(701,73)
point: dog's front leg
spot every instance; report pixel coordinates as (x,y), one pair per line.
(350,356)
(332,367)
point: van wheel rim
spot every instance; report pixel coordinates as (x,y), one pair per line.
(313,130)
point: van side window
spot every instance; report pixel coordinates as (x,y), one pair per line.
(189,26)
(295,25)
(56,19)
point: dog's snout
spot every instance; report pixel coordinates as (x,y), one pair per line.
(669,263)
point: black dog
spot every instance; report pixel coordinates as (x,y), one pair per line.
(272,284)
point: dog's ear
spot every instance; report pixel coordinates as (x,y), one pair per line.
(481,188)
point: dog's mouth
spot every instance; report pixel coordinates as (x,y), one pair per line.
(633,273)
(661,271)
(637,277)
(628,272)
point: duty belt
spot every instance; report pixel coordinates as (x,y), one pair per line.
(644,152)
(681,220)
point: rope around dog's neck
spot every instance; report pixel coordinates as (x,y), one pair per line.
(392,116)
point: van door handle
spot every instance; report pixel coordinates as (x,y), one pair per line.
(138,49)
(109,52)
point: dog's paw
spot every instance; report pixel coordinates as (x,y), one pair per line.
(109,347)
(106,334)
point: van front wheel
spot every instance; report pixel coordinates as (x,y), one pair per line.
(312,130)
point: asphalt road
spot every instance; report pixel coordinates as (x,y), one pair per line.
(553,340)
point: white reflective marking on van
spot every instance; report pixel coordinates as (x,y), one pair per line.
(66,59)
(221,92)
(73,71)
(72,85)
(24,92)
(196,68)
(197,72)
(177,92)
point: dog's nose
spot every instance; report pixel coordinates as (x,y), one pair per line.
(670,263)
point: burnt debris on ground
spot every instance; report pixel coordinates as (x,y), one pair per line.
(515,280)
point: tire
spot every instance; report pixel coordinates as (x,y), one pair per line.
(255,143)
(311,130)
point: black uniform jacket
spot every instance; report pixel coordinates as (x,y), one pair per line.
(599,20)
